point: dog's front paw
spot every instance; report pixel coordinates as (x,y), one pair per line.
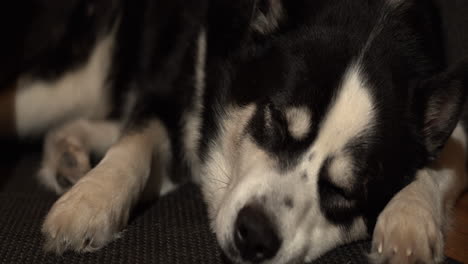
(83,219)
(407,232)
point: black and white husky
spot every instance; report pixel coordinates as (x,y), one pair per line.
(307,124)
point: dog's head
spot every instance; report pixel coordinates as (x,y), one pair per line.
(317,131)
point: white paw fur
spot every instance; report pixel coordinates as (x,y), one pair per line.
(85,218)
(408,231)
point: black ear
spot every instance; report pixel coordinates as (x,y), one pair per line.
(442,98)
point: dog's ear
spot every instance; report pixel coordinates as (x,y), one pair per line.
(441,100)
(268,15)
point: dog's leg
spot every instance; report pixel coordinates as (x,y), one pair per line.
(92,212)
(67,151)
(412,226)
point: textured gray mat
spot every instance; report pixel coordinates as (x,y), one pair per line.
(172,230)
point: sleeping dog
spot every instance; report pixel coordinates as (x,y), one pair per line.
(307,124)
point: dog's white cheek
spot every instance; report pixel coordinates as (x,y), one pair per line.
(247,191)
(309,234)
(213,182)
(220,168)
(247,181)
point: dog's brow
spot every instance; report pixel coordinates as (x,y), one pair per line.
(298,119)
(349,115)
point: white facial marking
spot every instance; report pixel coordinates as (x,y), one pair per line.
(81,93)
(243,188)
(351,114)
(238,172)
(340,171)
(299,119)
(223,154)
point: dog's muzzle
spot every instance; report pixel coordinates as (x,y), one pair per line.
(254,235)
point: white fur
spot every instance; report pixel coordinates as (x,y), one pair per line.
(350,115)
(40,105)
(91,213)
(446,183)
(339,171)
(78,138)
(159,182)
(222,155)
(239,172)
(299,119)
(412,225)
(193,119)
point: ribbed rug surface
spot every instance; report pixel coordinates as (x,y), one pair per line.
(172,230)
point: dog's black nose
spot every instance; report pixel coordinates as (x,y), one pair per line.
(255,236)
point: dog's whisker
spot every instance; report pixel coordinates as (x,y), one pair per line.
(219,181)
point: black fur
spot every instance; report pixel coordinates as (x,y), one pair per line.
(301,63)
(46,39)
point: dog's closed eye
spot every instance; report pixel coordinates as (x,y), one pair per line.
(334,190)
(337,203)
(331,190)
